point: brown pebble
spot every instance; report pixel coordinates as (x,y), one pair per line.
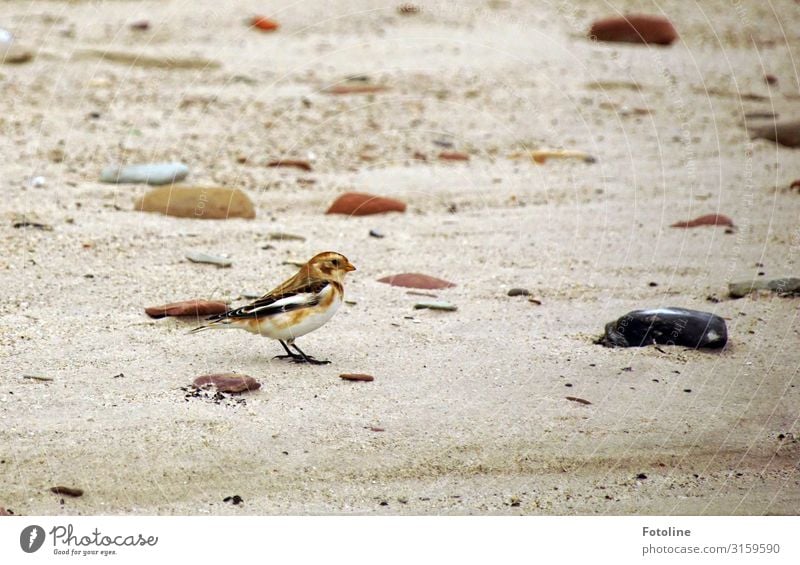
(67,491)
(578,400)
(296,163)
(453,156)
(770,79)
(141,25)
(376,429)
(187,308)
(357,377)
(783,133)
(228,382)
(363,204)
(356,89)
(416,280)
(634,28)
(197,202)
(707,220)
(4,512)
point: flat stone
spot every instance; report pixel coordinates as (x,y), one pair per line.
(195,308)
(211,203)
(438,305)
(67,491)
(519,292)
(707,220)
(165,61)
(281,236)
(416,280)
(787,286)
(666,326)
(228,382)
(356,89)
(363,204)
(634,28)
(291,163)
(782,133)
(150,173)
(4,512)
(357,377)
(15,54)
(199,257)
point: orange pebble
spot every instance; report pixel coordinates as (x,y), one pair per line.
(264,24)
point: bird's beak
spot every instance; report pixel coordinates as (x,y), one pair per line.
(349,267)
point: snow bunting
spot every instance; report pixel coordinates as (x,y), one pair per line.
(298,306)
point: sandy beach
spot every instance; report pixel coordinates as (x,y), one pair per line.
(472,403)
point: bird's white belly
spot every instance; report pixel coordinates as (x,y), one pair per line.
(287,327)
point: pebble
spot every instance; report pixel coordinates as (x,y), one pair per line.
(376,233)
(540,156)
(150,173)
(356,89)
(171,62)
(199,257)
(519,292)
(407,9)
(228,382)
(634,28)
(13,53)
(38,378)
(209,203)
(786,287)
(251,294)
(280,236)
(195,308)
(264,24)
(141,25)
(783,133)
(38,182)
(707,220)
(357,377)
(437,305)
(667,326)
(363,204)
(68,491)
(24,221)
(235,499)
(416,280)
(295,163)
(453,156)
(578,400)
(5,512)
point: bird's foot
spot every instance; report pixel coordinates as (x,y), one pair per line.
(301,359)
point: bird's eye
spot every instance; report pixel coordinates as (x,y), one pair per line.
(335,262)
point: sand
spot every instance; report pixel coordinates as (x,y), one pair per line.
(472,403)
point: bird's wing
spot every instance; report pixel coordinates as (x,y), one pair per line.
(285,298)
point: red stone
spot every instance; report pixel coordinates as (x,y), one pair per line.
(453,156)
(707,220)
(187,308)
(634,28)
(357,377)
(296,163)
(264,24)
(363,204)
(416,280)
(228,382)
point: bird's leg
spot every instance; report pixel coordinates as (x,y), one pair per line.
(308,358)
(289,355)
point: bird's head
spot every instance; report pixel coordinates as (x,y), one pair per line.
(329,265)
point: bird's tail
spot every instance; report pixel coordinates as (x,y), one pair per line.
(222,324)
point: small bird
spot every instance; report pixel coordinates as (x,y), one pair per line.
(298,306)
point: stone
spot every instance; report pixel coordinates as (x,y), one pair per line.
(150,173)
(453,156)
(166,61)
(264,24)
(578,400)
(634,28)
(281,236)
(376,233)
(67,491)
(540,156)
(666,326)
(707,220)
(356,89)
(789,286)
(5,512)
(195,308)
(15,54)
(782,133)
(207,203)
(228,382)
(295,163)
(519,292)
(436,305)
(363,204)
(360,377)
(416,280)
(199,257)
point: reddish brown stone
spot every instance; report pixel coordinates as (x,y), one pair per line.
(707,220)
(296,163)
(228,382)
(783,133)
(416,280)
(453,156)
(795,185)
(356,89)
(578,400)
(634,28)
(187,308)
(67,491)
(770,79)
(264,24)
(141,25)
(357,377)
(4,512)
(363,204)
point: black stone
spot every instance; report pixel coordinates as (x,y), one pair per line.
(667,326)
